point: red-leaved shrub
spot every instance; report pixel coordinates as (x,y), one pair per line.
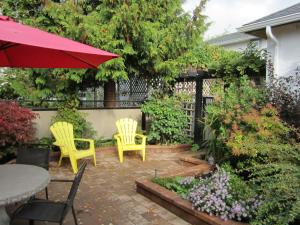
(16,124)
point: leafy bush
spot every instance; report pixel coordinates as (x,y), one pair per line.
(177,184)
(255,127)
(275,172)
(82,128)
(16,126)
(100,142)
(248,132)
(168,119)
(251,62)
(45,141)
(284,94)
(226,114)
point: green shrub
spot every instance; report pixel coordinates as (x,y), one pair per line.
(82,128)
(45,141)
(225,115)
(255,127)
(231,65)
(180,185)
(275,172)
(248,132)
(168,120)
(195,147)
(100,142)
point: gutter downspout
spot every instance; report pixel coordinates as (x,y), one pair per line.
(275,47)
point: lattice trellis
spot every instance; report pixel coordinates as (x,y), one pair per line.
(185,87)
(133,89)
(154,83)
(189,108)
(207,87)
(190,87)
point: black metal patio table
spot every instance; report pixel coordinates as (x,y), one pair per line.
(19,182)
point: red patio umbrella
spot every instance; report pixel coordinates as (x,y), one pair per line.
(28,47)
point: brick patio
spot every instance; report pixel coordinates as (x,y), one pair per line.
(107,193)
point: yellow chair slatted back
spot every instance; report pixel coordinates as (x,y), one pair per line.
(127,130)
(63,133)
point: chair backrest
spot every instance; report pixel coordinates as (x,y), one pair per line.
(34,154)
(127,130)
(74,188)
(63,134)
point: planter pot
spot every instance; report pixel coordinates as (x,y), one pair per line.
(7,158)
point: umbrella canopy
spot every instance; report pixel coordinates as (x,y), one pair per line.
(28,47)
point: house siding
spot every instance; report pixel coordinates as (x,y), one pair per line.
(288,37)
(239,47)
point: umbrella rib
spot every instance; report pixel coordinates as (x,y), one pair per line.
(8,45)
(6,56)
(77,58)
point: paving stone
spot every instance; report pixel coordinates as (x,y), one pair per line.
(178,221)
(107,193)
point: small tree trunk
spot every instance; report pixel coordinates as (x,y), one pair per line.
(110,94)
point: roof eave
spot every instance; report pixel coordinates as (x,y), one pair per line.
(273,22)
(233,41)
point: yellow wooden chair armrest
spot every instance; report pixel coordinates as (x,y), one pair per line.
(141,135)
(84,139)
(57,144)
(91,141)
(116,136)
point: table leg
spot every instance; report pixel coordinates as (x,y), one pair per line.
(4,218)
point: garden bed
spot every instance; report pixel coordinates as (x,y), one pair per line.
(175,203)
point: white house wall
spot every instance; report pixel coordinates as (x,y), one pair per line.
(242,45)
(239,47)
(288,59)
(263,44)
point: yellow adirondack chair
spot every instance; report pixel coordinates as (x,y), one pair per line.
(64,139)
(126,138)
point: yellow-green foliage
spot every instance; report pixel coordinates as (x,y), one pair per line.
(247,129)
(248,133)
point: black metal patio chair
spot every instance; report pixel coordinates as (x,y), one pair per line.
(51,211)
(34,154)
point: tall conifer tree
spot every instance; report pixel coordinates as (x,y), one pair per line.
(154,38)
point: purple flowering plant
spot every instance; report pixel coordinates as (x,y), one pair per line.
(225,195)
(221,193)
